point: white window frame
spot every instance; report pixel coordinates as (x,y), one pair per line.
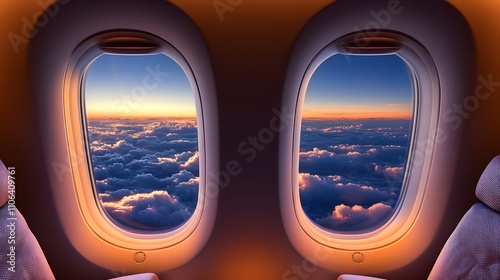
(75,120)
(450,49)
(426,98)
(64,40)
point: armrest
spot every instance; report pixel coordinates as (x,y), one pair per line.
(357,277)
(142,276)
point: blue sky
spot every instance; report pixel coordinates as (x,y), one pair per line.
(137,86)
(360,86)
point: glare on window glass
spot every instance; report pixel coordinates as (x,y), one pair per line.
(143,140)
(355,136)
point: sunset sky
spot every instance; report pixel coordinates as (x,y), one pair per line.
(354,141)
(355,87)
(127,86)
(143,140)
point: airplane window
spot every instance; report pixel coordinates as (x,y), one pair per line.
(142,138)
(357,119)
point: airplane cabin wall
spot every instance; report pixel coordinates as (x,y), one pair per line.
(249,50)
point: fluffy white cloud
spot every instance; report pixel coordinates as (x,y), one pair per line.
(156,209)
(395,171)
(356,217)
(316,153)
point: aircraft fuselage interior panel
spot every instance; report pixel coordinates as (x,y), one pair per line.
(238,139)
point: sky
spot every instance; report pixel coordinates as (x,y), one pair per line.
(143,140)
(359,86)
(355,134)
(126,86)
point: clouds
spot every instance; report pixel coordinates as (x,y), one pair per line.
(153,210)
(146,171)
(319,195)
(351,171)
(356,217)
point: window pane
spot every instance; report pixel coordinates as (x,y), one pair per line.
(143,140)
(355,133)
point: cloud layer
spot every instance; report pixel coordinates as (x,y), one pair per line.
(351,171)
(146,171)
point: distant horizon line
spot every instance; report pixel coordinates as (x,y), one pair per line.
(354,118)
(194,118)
(139,117)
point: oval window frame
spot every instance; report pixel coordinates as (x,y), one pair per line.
(121,42)
(426,99)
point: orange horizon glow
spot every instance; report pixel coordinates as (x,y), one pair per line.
(328,111)
(150,109)
(139,116)
(356,115)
